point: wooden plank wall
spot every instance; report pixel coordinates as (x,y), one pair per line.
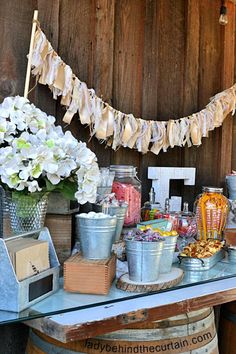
(158,59)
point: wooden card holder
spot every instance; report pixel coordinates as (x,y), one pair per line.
(89,276)
(18,295)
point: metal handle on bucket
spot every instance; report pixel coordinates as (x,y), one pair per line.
(199,259)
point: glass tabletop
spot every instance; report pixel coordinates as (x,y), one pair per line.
(62,301)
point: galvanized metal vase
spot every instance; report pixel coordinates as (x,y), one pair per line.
(144,260)
(168,254)
(96,236)
(27,212)
(119,211)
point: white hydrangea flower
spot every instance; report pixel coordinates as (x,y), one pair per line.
(33,150)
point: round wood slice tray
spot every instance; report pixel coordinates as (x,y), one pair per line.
(165,281)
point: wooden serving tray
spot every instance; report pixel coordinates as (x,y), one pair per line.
(165,281)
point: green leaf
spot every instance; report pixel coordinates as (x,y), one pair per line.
(69,189)
(66,187)
(49,186)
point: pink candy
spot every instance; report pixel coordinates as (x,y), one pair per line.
(132,196)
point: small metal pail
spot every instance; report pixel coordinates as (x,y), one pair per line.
(168,254)
(232,255)
(119,211)
(231,186)
(96,236)
(143,260)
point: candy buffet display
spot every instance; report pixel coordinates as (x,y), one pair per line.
(127,187)
(212,209)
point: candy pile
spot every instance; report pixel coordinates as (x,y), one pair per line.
(145,236)
(162,233)
(93,215)
(151,214)
(185,225)
(129,194)
(202,249)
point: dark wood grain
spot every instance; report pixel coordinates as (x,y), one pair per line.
(128,64)
(158,59)
(163,72)
(210,61)
(103,64)
(76,48)
(227,74)
(15,26)
(191,81)
(49,20)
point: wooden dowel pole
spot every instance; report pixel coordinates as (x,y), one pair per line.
(28,71)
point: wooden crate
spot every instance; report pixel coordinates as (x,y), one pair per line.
(89,276)
(60,227)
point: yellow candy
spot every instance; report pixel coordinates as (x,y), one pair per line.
(148,227)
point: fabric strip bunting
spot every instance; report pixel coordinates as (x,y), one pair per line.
(114,127)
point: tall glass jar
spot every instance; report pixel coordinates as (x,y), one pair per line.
(127,187)
(211,209)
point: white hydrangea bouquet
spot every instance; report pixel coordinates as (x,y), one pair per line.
(37,156)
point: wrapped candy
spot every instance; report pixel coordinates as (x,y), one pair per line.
(143,236)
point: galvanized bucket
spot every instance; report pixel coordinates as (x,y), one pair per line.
(96,236)
(232,255)
(119,211)
(143,260)
(231,186)
(168,254)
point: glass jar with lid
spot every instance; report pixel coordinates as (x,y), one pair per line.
(211,209)
(127,187)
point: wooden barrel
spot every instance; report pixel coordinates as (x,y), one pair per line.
(227,329)
(189,333)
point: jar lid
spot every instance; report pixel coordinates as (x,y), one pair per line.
(126,170)
(212,189)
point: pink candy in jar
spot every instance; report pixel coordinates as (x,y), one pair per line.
(185,223)
(127,187)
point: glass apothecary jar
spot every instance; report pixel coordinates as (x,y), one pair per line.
(211,208)
(127,187)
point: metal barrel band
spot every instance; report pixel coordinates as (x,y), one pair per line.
(48,347)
